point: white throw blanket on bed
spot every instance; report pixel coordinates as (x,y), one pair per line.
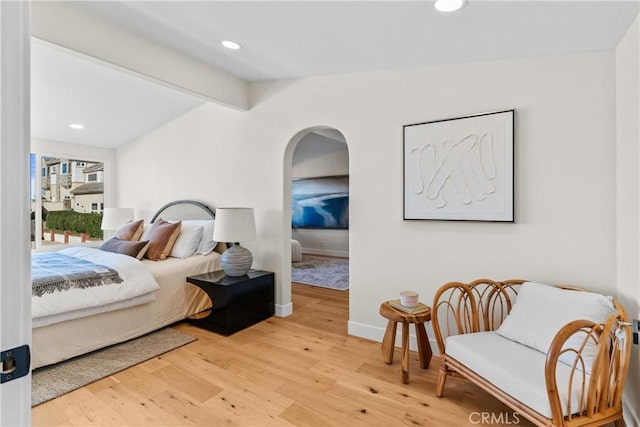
(138,287)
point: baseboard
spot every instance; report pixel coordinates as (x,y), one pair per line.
(283,310)
(326,252)
(631,418)
(376,333)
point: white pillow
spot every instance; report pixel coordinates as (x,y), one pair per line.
(145,231)
(188,240)
(207,244)
(540,311)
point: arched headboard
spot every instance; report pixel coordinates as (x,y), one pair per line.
(184,210)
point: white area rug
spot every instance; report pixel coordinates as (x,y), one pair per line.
(321,271)
(52,381)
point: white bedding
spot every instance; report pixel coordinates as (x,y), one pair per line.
(175,301)
(138,287)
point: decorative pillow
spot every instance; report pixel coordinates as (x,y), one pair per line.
(540,311)
(187,242)
(132,248)
(130,231)
(162,236)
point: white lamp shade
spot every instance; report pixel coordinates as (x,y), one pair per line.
(234,225)
(114,218)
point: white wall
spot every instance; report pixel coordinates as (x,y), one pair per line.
(565,187)
(628,189)
(318,156)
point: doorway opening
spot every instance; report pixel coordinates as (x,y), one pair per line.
(317,213)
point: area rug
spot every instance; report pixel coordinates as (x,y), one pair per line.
(320,271)
(52,381)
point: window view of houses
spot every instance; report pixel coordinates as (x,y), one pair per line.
(71,185)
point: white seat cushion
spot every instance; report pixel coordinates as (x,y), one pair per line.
(516,369)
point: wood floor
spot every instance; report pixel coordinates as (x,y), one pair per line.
(301,370)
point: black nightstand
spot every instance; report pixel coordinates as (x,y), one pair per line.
(238,302)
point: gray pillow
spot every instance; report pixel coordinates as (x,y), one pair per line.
(132,248)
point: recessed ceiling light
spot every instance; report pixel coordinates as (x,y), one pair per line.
(448,5)
(229,44)
(76,126)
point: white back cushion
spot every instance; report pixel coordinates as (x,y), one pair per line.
(540,311)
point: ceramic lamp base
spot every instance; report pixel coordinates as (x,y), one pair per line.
(236,260)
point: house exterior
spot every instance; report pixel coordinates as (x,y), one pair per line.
(89,197)
(72,184)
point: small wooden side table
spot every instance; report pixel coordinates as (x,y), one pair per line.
(388,343)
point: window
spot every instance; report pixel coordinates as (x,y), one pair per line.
(97,207)
(57,192)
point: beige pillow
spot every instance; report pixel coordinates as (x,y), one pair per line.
(162,236)
(130,231)
(126,247)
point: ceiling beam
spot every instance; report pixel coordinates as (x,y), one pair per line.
(74,28)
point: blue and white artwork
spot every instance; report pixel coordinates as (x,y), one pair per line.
(320,202)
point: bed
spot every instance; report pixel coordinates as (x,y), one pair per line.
(174,300)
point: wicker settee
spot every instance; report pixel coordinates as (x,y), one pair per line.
(501,337)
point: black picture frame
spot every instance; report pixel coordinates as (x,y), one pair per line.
(460,169)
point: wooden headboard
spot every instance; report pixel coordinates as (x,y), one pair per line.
(184,210)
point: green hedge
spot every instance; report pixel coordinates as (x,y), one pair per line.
(75,222)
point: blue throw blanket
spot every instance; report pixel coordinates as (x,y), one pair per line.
(52,272)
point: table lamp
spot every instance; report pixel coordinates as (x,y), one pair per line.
(234,225)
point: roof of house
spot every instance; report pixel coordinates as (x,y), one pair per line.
(94,168)
(89,188)
(58,160)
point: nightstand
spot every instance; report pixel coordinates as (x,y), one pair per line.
(238,302)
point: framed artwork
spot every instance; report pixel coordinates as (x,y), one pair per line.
(460,169)
(320,202)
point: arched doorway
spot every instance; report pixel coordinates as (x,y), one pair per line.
(317,157)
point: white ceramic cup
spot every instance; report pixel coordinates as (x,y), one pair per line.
(409,299)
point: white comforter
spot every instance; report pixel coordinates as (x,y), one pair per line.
(138,287)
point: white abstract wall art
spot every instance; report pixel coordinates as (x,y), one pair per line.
(460,169)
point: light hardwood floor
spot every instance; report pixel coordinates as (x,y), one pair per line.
(301,370)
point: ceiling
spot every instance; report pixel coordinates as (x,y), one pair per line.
(113,106)
(294,39)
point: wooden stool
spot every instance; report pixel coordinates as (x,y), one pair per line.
(388,343)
